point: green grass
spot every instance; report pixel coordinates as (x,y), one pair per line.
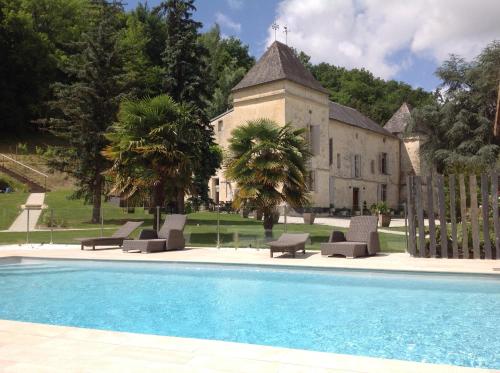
(201,229)
(9,207)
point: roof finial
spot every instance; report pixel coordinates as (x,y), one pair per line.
(275,27)
(286,31)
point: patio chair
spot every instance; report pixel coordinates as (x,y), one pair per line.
(289,243)
(115,240)
(169,237)
(361,239)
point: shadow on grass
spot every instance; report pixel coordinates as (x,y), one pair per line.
(203,222)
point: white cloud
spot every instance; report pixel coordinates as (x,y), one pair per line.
(227,22)
(365,33)
(235,4)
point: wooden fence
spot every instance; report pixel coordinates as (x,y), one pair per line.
(456,207)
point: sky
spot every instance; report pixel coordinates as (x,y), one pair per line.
(394,39)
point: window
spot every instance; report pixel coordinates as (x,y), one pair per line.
(314,139)
(330,152)
(383,192)
(338,161)
(311,181)
(372,166)
(357,165)
(220,126)
(383,164)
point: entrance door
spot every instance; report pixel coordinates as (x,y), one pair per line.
(355,199)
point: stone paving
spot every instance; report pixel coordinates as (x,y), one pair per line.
(33,208)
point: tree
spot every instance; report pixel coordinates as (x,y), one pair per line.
(86,107)
(268,162)
(153,148)
(228,62)
(185,80)
(458,128)
(33,38)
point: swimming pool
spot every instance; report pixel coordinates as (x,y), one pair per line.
(418,317)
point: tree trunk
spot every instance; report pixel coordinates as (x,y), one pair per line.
(157,201)
(268,221)
(180,201)
(96,199)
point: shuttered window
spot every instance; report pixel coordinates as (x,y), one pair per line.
(357,165)
(330,151)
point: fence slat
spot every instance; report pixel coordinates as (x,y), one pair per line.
(485,203)
(442,217)
(496,222)
(463,213)
(431,216)
(420,216)
(411,216)
(474,216)
(453,216)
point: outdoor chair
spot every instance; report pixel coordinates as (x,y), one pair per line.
(361,239)
(115,240)
(169,237)
(289,243)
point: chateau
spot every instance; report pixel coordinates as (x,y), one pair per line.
(355,162)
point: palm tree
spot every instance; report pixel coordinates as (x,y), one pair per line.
(268,162)
(153,148)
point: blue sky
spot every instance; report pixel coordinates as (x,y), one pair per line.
(393,39)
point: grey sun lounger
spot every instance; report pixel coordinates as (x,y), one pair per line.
(289,243)
(361,239)
(169,237)
(115,240)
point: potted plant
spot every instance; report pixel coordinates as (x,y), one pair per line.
(308,215)
(383,212)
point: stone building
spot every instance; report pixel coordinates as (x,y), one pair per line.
(355,161)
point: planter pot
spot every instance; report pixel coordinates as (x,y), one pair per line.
(384,220)
(309,217)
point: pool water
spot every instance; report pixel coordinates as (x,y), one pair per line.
(419,317)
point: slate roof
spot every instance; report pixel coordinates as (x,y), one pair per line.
(398,122)
(279,62)
(353,117)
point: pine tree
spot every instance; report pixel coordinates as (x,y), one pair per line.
(87,106)
(185,80)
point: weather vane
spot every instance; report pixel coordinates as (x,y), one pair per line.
(275,27)
(286,31)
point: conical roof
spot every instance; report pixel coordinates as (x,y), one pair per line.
(399,120)
(279,62)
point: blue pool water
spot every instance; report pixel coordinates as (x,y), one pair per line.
(426,318)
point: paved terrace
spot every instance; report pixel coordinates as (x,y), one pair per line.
(26,347)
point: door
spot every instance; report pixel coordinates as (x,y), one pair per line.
(355,199)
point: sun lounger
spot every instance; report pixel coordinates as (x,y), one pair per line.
(289,243)
(169,237)
(361,239)
(115,240)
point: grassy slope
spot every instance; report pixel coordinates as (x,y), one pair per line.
(9,207)
(201,229)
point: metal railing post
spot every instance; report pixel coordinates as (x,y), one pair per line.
(406,224)
(157,219)
(102,221)
(51,226)
(218,226)
(27,226)
(284,213)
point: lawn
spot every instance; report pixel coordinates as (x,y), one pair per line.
(201,229)
(9,207)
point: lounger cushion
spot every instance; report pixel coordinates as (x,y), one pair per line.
(346,248)
(144,245)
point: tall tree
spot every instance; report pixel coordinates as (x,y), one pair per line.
(459,127)
(185,80)
(87,106)
(153,149)
(268,162)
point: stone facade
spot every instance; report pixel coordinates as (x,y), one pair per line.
(355,162)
